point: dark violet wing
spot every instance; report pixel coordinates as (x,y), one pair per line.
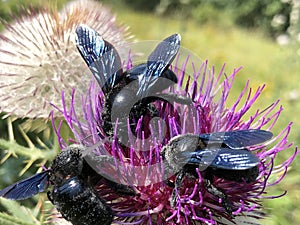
(101,57)
(26,188)
(237,139)
(158,62)
(224,158)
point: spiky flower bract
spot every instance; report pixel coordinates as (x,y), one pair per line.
(139,164)
(39,58)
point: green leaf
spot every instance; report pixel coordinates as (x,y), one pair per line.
(18,211)
(6,219)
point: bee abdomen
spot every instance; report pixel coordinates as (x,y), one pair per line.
(79,204)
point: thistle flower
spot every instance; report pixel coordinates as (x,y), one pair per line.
(139,165)
(39,59)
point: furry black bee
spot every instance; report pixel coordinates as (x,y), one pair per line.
(72,194)
(129,94)
(220,154)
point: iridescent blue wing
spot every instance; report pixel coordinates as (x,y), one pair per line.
(26,188)
(237,139)
(223,158)
(101,57)
(158,62)
(138,73)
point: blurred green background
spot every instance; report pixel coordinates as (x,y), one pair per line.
(260,35)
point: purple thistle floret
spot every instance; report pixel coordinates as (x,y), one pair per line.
(140,165)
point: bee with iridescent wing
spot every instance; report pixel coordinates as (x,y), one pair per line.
(220,154)
(129,94)
(73,192)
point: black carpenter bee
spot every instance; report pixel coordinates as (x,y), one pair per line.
(220,154)
(129,94)
(73,194)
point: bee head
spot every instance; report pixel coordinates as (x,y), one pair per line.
(67,164)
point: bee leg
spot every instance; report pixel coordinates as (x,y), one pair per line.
(170,184)
(120,188)
(167,172)
(178,181)
(99,158)
(97,161)
(49,195)
(94,161)
(218,193)
(171,97)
